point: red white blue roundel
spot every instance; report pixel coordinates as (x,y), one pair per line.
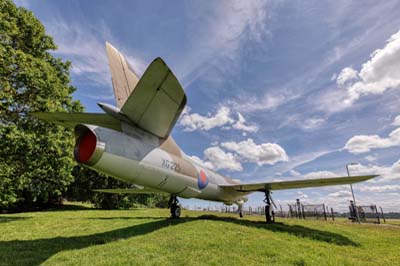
(202,180)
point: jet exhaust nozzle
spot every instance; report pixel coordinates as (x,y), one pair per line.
(88,148)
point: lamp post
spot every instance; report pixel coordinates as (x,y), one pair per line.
(352,192)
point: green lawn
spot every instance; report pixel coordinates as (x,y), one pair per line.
(79,236)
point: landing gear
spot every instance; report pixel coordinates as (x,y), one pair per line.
(269,213)
(240,211)
(175,208)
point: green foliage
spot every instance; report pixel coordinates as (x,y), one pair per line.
(35,157)
(86,180)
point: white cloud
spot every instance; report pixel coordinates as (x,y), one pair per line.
(302,195)
(222,118)
(384,188)
(195,121)
(396,121)
(340,194)
(364,143)
(387,173)
(347,74)
(380,73)
(311,123)
(265,153)
(320,174)
(222,160)
(294,173)
(241,125)
(200,162)
(216,159)
(370,158)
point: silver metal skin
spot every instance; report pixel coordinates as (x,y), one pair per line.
(136,157)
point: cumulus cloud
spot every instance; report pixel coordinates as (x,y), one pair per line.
(195,121)
(222,160)
(200,162)
(380,73)
(376,76)
(222,118)
(216,159)
(241,125)
(364,143)
(387,173)
(320,174)
(347,74)
(396,121)
(265,153)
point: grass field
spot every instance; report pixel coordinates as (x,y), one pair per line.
(84,236)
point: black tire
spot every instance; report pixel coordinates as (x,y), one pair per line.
(268,217)
(240,214)
(175,211)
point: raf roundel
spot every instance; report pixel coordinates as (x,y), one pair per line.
(202,180)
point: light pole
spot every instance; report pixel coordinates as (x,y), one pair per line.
(352,192)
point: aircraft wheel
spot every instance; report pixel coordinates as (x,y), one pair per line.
(268,217)
(240,214)
(175,211)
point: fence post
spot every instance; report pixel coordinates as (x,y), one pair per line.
(383,216)
(298,208)
(324,212)
(333,216)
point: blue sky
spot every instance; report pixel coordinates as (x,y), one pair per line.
(277,90)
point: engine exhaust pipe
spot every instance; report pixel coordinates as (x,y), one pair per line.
(88,148)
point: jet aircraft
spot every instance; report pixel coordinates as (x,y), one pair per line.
(132,142)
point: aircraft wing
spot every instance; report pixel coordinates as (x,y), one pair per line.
(305,183)
(72,119)
(157,100)
(129,190)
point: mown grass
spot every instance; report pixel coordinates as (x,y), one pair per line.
(84,236)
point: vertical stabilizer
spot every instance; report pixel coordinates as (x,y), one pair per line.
(124,79)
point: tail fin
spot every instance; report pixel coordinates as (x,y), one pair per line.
(124,79)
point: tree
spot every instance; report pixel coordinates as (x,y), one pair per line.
(86,180)
(35,157)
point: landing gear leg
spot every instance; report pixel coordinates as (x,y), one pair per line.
(268,208)
(174,207)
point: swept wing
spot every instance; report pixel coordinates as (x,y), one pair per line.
(305,183)
(73,119)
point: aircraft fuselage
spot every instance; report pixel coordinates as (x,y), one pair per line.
(138,157)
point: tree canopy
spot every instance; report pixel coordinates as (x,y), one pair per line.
(35,157)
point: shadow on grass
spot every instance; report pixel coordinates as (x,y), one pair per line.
(127,218)
(6,219)
(35,252)
(296,230)
(70,207)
